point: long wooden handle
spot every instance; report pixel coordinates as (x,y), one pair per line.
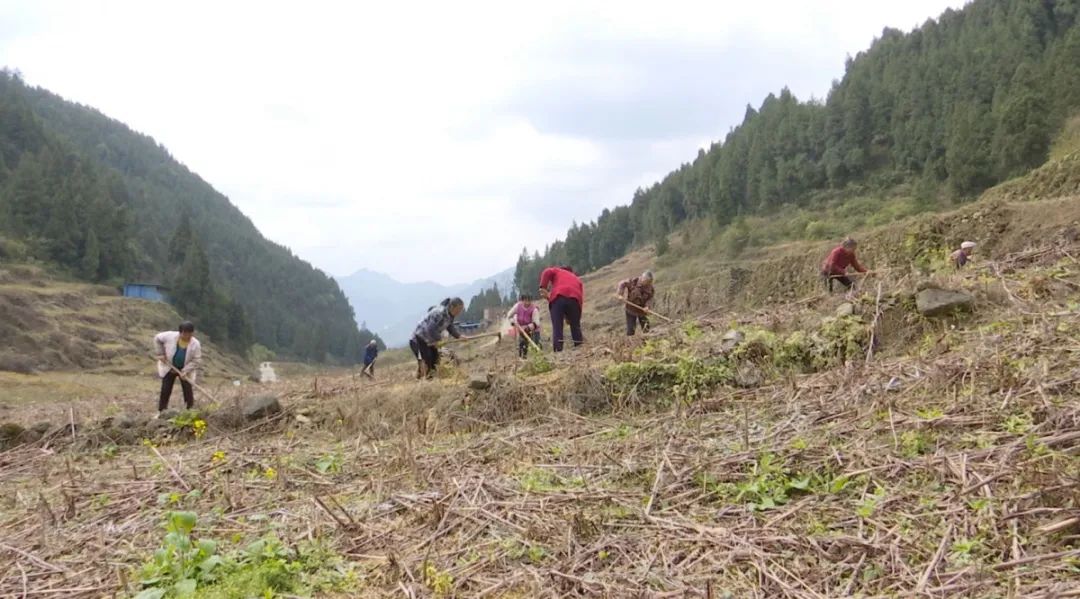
(462,340)
(642,308)
(192,383)
(528,338)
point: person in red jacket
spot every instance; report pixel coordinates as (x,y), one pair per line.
(566,296)
(836,265)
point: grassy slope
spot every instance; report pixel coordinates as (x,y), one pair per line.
(68,341)
(946,465)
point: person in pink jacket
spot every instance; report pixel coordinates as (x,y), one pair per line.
(525,315)
(179,356)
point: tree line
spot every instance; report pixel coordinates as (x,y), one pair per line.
(486,298)
(107,204)
(954,107)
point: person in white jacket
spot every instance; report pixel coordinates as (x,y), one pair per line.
(179,355)
(526,315)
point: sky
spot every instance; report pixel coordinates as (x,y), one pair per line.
(435,140)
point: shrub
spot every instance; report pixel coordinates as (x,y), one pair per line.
(11,362)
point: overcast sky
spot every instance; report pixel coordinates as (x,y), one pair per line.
(433,140)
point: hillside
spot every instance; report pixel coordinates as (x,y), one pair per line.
(65,341)
(392,309)
(920,121)
(775,441)
(83,191)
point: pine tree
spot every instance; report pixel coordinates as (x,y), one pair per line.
(191,288)
(90,266)
(238,327)
(181,239)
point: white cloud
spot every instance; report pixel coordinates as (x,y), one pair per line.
(433,140)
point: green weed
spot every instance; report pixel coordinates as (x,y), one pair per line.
(536,363)
(1017,424)
(329,463)
(870,503)
(915,443)
(185,566)
(539,480)
(441,583)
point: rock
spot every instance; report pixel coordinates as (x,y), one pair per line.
(303,419)
(30,436)
(893,385)
(939,302)
(731,340)
(845,309)
(261,406)
(480,382)
(41,427)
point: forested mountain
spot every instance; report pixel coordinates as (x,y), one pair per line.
(950,109)
(85,192)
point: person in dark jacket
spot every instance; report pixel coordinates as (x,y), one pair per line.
(639,292)
(370,353)
(428,334)
(836,264)
(566,298)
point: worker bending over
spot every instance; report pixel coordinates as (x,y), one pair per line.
(566,297)
(961,256)
(525,317)
(835,267)
(637,293)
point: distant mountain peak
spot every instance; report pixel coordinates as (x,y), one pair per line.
(392,308)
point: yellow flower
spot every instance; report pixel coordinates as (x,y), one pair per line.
(218,456)
(199,428)
(270,473)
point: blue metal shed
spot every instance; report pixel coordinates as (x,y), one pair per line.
(147,291)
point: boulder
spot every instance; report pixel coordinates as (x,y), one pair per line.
(845,309)
(731,340)
(261,406)
(939,302)
(480,382)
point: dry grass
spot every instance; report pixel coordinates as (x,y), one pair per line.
(944,463)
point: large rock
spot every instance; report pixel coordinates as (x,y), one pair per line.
(940,302)
(479,382)
(261,406)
